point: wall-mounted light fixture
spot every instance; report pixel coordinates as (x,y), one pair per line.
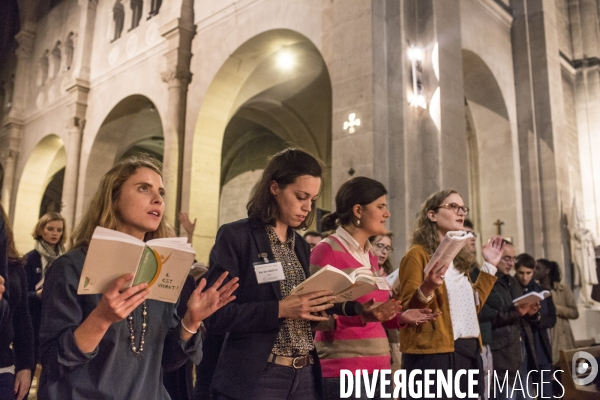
(285,59)
(417,98)
(351,123)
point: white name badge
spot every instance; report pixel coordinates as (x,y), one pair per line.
(271,272)
(382,283)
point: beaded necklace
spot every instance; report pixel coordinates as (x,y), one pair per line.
(135,349)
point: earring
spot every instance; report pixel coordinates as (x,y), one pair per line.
(358,222)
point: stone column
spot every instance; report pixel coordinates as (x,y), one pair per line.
(69,192)
(179,34)
(540,122)
(13,122)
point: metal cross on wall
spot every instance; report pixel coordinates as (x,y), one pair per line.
(499,224)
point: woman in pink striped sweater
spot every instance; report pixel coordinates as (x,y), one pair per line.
(360,342)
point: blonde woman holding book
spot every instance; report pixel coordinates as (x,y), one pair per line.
(114,345)
(452,342)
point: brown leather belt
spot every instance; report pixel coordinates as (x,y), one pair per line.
(293,362)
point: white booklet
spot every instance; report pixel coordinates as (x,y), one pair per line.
(452,243)
(532,297)
(163,263)
(344,286)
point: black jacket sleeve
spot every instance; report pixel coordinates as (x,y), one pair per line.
(23,340)
(248,313)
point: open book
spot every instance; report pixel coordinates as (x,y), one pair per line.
(344,286)
(163,263)
(452,243)
(532,297)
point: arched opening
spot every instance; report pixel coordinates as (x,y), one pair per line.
(492,182)
(40,180)
(132,126)
(273,91)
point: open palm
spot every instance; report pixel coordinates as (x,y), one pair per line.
(492,250)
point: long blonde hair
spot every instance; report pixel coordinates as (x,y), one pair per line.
(426,231)
(102,210)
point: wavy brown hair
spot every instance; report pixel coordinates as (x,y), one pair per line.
(45,220)
(284,167)
(426,232)
(12,254)
(102,210)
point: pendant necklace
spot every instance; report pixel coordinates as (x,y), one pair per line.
(140,348)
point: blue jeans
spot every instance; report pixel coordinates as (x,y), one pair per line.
(331,389)
(283,383)
(7,386)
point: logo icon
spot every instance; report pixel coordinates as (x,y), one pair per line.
(579,367)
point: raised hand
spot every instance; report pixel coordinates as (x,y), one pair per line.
(303,306)
(381,313)
(116,305)
(492,250)
(186,223)
(418,316)
(202,304)
(434,278)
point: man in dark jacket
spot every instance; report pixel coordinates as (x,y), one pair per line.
(543,320)
(512,339)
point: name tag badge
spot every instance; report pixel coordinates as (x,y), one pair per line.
(476,294)
(382,283)
(269,272)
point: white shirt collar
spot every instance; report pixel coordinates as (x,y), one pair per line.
(343,234)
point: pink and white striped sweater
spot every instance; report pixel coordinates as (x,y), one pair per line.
(351,344)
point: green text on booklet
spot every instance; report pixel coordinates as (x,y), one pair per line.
(163,263)
(344,286)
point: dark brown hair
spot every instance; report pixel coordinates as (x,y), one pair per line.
(525,260)
(553,270)
(283,167)
(358,190)
(12,254)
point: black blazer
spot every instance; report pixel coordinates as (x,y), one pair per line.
(251,322)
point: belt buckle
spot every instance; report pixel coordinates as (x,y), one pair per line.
(296,359)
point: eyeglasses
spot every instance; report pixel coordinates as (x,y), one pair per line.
(382,246)
(509,259)
(454,208)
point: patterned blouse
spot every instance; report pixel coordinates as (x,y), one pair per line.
(295,336)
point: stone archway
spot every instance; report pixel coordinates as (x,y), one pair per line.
(492,157)
(132,126)
(273,91)
(45,161)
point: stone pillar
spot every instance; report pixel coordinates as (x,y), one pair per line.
(540,121)
(179,34)
(69,192)
(13,122)
(128,16)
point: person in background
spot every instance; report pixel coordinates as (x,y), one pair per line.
(358,342)
(540,323)
(312,238)
(268,351)
(382,247)
(188,226)
(512,339)
(452,341)
(16,331)
(113,345)
(485,315)
(50,238)
(549,276)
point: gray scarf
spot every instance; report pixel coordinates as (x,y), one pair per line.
(48,254)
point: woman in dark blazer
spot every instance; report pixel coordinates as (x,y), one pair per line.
(268,352)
